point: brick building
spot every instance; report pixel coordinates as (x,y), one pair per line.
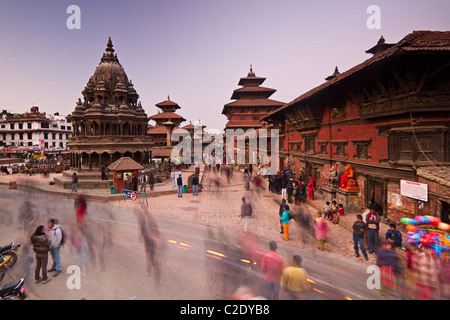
(387,117)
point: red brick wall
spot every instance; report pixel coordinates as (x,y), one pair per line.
(399,206)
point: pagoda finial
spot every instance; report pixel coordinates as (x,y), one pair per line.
(109,45)
(251,73)
(168,98)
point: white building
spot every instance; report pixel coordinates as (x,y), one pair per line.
(34,131)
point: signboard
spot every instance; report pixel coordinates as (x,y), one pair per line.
(414,190)
(124,193)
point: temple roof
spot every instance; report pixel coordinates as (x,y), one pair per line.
(166,115)
(417,41)
(251,79)
(168,105)
(109,92)
(257,91)
(125,163)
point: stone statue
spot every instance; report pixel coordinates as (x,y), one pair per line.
(348,182)
(333,176)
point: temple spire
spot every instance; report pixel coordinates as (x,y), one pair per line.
(109,45)
(251,73)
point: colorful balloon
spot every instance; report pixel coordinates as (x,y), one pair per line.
(423,219)
(413,222)
(444,226)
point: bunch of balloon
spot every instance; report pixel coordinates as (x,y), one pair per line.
(428,231)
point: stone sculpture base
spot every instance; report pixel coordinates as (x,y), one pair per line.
(349,199)
(329,193)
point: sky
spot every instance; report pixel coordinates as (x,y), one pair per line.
(195,51)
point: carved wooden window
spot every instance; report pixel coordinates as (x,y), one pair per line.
(309,144)
(323,147)
(340,148)
(421,146)
(362,149)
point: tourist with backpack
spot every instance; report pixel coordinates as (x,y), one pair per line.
(56,238)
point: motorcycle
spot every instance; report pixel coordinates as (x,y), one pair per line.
(13,290)
(10,250)
(3,266)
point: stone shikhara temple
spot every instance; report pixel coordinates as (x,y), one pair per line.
(109,123)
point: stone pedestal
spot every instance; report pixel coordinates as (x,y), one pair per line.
(349,199)
(329,193)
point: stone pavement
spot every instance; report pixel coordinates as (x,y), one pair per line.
(218,206)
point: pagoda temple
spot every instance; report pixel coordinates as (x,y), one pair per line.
(251,103)
(109,122)
(166,120)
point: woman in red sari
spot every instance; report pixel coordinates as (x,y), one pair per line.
(310,188)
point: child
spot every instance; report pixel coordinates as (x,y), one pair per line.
(326,209)
(340,212)
(333,210)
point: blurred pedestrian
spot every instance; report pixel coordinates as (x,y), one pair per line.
(296,193)
(134,181)
(280,212)
(246,212)
(284,219)
(303,192)
(151,180)
(55,236)
(195,185)
(41,247)
(150,234)
(373,220)
(143,181)
(290,190)
(246,180)
(387,261)
(272,265)
(180,186)
(128,181)
(411,271)
(427,274)
(81,209)
(310,188)
(359,227)
(322,230)
(444,275)
(294,280)
(103,171)
(284,182)
(74,182)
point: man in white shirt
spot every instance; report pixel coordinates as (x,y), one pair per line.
(55,237)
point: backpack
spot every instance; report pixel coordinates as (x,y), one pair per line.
(63,236)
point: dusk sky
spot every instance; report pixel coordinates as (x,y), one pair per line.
(193,50)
